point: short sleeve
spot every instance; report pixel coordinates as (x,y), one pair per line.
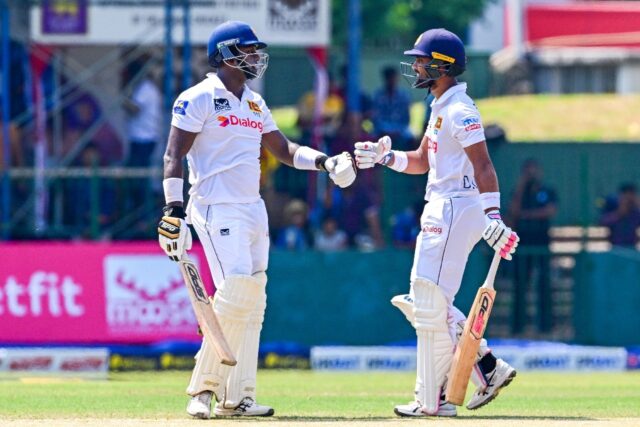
(190,111)
(466,126)
(268,124)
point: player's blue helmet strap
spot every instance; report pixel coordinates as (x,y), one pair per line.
(224,44)
(445,50)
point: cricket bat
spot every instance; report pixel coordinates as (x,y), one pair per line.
(467,349)
(203,309)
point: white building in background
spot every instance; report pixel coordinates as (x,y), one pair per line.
(562,46)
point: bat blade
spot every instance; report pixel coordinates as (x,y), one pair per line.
(203,310)
(466,352)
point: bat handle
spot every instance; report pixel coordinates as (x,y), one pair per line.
(491,275)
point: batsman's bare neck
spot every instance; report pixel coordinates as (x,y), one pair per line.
(442,85)
(233,79)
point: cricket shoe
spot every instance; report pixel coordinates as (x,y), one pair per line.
(414,409)
(499,378)
(200,405)
(247,408)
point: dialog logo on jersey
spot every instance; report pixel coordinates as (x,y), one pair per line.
(431,229)
(233,120)
(181,107)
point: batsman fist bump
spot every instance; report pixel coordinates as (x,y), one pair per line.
(342,169)
(174,235)
(369,153)
(500,237)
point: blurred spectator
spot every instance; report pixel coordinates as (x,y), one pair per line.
(82,115)
(331,113)
(530,212)
(92,197)
(330,237)
(143,110)
(390,112)
(622,216)
(405,228)
(294,236)
(366,105)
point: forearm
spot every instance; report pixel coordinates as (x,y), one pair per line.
(486,178)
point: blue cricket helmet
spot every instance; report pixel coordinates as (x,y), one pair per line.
(443,45)
(228,35)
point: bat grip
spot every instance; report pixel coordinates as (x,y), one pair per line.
(491,275)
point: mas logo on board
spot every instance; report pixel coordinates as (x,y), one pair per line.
(293,15)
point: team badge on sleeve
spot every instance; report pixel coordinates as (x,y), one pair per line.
(180,107)
(254,107)
(221,104)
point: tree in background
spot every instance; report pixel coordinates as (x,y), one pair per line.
(398,22)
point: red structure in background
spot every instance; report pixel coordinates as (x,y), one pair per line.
(583,24)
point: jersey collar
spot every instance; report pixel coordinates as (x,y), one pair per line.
(217,84)
(460,87)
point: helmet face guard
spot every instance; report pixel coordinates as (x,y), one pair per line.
(235,58)
(433,70)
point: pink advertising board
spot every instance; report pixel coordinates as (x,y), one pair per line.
(94,293)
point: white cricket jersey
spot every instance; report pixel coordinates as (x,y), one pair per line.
(224,161)
(454,124)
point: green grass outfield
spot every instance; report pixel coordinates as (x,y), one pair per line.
(308,398)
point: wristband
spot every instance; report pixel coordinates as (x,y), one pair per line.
(400,162)
(305,158)
(490,200)
(173,189)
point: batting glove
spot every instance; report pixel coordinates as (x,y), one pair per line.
(174,235)
(342,169)
(500,237)
(369,153)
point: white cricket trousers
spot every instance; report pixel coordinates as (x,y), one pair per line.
(450,228)
(235,237)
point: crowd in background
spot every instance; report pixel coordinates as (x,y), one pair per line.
(303,214)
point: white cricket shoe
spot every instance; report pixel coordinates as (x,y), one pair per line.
(200,405)
(247,408)
(497,379)
(414,409)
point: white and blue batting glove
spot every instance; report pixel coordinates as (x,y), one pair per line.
(369,153)
(174,235)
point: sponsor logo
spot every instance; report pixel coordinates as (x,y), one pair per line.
(46,293)
(224,232)
(438,122)
(442,57)
(471,123)
(180,107)
(337,362)
(196,283)
(84,364)
(432,145)
(293,15)
(432,229)
(255,108)
(145,293)
(233,120)
(480,320)
(547,362)
(31,363)
(221,104)
(468,183)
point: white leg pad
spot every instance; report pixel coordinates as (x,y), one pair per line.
(234,301)
(405,304)
(242,381)
(435,347)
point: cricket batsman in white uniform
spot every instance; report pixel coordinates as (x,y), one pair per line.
(463,206)
(219,125)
